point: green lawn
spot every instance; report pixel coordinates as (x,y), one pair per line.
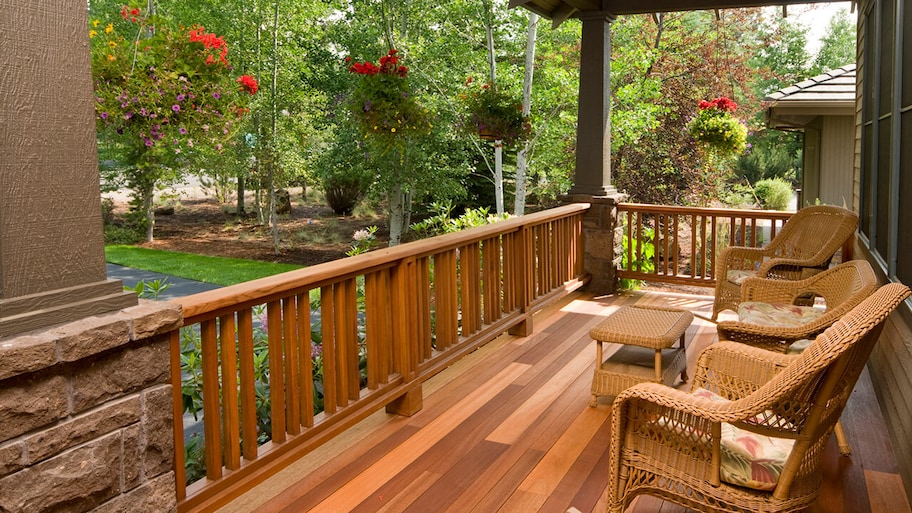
(216,270)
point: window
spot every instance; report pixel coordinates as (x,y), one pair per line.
(886,123)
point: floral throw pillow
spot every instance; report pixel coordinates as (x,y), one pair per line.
(777,314)
(748,459)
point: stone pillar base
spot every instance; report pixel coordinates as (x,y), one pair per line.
(86,415)
(602,239)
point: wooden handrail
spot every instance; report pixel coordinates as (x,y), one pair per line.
(387,320)
(686,240)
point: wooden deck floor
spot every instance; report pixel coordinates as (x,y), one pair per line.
(509,429)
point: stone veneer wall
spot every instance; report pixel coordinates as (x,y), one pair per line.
(603,239)
(86,415)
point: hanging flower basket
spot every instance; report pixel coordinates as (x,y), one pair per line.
(381,102)
(717,130)
(493,115)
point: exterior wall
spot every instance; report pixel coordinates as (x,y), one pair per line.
(836,161)
(890,364)
(86,415)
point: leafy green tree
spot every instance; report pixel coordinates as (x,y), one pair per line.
(837,46)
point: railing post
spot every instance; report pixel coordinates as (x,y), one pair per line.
(406,343)
(523,255)
(602,240)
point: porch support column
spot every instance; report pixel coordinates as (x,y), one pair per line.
(52,266)
(593,133)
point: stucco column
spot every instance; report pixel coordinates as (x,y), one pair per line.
(52,266)
(593,133)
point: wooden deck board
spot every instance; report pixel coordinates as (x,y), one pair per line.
(509,428)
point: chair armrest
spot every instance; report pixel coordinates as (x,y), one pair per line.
(773,291)
(668,398)
(741,258)
(734,370)
(769,267)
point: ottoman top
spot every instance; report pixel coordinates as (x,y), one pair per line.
(645,326)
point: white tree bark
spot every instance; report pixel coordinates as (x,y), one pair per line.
(519,203)
(397,214)
(498,177)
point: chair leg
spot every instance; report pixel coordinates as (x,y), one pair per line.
(844,448)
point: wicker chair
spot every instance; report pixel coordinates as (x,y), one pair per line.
(804,247)
(843,287)
(666,442)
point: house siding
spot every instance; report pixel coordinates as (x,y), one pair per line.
(891,362)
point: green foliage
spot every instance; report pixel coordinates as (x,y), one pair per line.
(837,47)
(774,193)
(644,257)
(442,222)
(150,289)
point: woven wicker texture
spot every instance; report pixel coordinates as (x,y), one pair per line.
(804,247)
(652,327)
(842,288)
(665,442)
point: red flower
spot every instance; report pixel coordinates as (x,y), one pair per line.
(249,83)
(123,12)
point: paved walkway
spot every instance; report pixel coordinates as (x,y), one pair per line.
(179,287)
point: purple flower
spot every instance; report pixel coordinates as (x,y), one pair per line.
(219,147)
(367,106)
(176,108)
(148,141)
(216,95)
(104,115)
(183,131)
(181,97)
(128,115)
(143,112)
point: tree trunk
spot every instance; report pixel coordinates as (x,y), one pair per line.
(519,203)
(397,214)
(274,150)
(148,193)
(498,177)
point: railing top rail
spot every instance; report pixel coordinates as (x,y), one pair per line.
(719,212)
(280,285)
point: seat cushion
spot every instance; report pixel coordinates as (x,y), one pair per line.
(737,276)
(777,314)
(748,459)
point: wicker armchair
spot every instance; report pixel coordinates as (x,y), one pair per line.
(842,288)
(803,247)
(666,442)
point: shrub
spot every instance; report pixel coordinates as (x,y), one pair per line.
(773,193)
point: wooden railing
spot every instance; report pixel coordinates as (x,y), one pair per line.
(385,322)
(679,244)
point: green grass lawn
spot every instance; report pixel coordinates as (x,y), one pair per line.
(216,270)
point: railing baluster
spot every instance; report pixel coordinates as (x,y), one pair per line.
(177,405)
(276,371)
(212,431)
(327,319)
(305,358)
(248,384)
(349,332)
(424,337)
(292,383)
(230,392)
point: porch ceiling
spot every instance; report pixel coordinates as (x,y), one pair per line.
(560,10)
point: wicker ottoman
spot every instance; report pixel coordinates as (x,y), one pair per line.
(648,334)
